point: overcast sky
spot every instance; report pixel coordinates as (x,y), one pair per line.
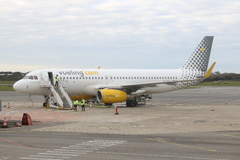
(151,34)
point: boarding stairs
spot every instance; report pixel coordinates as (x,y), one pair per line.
(61,97)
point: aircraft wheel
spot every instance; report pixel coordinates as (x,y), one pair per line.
(45,104)
(128,103)
(131,103)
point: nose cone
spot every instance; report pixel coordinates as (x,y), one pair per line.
(17,86)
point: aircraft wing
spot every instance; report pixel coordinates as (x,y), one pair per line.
(152,84)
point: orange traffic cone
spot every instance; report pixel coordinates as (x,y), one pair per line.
(4,125)
(212,109)
(9,105)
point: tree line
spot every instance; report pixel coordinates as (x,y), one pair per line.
(11,76)
(217,76)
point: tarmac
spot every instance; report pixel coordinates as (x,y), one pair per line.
(190,110)
(200,123)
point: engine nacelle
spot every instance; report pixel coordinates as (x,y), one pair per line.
(111,96)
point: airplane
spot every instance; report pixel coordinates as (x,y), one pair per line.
(119,85)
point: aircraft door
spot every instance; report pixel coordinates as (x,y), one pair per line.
(45,76)
(108,79)
(64,81)
(111,79)
(45,81)
(50,76)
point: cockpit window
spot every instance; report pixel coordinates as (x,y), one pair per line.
(31,77)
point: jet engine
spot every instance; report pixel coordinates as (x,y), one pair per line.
(111,96)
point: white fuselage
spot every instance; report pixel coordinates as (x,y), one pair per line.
(89,81)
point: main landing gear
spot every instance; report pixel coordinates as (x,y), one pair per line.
(131,103)
(136,101)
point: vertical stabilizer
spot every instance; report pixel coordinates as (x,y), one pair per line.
(200,57)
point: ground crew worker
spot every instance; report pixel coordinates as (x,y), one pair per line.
(56,80)
(137,101)
(83,104)
(75,103)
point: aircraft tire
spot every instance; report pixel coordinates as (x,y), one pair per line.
(131,103)
(45,104)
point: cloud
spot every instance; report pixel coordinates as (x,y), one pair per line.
(62,32)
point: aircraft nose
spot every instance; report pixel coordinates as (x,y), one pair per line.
(17,86)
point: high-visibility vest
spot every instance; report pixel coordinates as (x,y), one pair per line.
(57,78)
(83,102)
(76,102)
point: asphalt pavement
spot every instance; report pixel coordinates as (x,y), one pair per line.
(200,123)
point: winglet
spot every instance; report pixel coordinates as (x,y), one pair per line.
(209,70)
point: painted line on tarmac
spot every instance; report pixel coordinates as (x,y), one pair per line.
(15,143)
(161,156)
(162,141)
(236,136)
(5,158)
(74,150)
